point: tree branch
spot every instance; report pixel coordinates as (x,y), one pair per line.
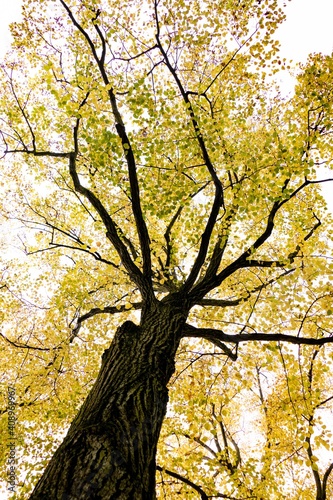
(218,198)
(127,149)
(197,488)
(104,310)
(243,261)
(309,451)
(112,234)
(172,223)
(214,335)
(185,481)
(326,476)
(236,302)
(134,272)
(224,67)
(26,346)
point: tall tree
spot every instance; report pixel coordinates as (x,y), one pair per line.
(171,193)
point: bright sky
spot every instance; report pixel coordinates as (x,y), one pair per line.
(308,29)
(9,14)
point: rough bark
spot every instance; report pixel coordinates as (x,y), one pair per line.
(109,451)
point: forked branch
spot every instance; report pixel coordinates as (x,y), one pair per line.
(245,260)
(218,198)
(127,148)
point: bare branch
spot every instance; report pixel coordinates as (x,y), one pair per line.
(172,223)
(309,451)
(167,235)
(95,255)
(225,65)
(112,233)
(197,488)
(53,154)
(323,402)
(202,443)
(23,111)
(131,58)
(236,302)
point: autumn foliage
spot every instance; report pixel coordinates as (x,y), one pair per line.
(151,163)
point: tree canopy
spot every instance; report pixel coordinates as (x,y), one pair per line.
(149,158)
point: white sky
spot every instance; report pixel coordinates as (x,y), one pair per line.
(308,29)
(9,13)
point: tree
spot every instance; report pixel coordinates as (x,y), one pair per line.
(156,168)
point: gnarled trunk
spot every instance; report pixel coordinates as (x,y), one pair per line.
(109,451)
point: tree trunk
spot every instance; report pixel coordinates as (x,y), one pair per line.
(109,451)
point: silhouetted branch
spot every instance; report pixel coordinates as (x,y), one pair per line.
(184,480)
(244,260)
(128,152)
(218,198)
(236,302)
(26,346)
(326,476)
(105,310)
(218,335)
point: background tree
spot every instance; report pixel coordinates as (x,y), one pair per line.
(165,185)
